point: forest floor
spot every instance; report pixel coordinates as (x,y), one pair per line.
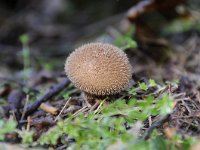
(40,108)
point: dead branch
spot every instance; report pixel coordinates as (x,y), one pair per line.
(14,100)
(14,104)
(48,95)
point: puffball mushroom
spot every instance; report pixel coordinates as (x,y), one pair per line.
(99,69)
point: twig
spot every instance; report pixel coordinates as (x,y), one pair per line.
(61,147)
(62,109)
(83,109)
(97,103)
(49,94)
(25,107)
(14,100)
(29,123)
(155,125)
(150,121)
(71,109)
(14,104)
(102,102)
(186,106)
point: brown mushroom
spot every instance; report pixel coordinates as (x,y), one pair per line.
(99,69)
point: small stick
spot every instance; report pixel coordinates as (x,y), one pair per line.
(186,106)
(15,100)
(99,106)
(155,125)
(28,124)
(25,107)
(48,95)
(150,121)
(83,109)
(94,106)
(14,104)
(71,109)
(63,109)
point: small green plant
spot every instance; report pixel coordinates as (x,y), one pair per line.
(152,82)
(165,105)
(51,137)
(27,136)
(111,124)
(143,86)
(24,39)
(159,142)
(125,40)
(98,130)
(66,93)
(181,25)
(6,127)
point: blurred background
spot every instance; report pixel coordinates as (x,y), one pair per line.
(53,27)
(38,35)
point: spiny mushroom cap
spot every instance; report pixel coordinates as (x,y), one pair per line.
(99,69)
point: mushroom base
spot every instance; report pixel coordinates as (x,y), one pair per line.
(91,99)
